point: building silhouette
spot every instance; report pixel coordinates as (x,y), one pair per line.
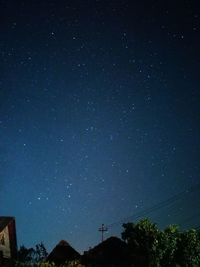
(8,241)
(62,253)
(111,252)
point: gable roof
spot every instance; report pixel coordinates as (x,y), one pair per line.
(109,244)
(4,221)
(63,252)
(111,252)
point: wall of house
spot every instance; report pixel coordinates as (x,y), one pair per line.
(5,243)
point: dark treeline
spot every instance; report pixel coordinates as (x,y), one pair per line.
(142,244)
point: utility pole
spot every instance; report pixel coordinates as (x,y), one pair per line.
(102,229)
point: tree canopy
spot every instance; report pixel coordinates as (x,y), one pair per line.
(147,246)
(150,246)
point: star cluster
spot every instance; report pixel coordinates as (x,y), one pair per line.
(99,115)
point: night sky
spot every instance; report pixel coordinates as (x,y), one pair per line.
(99,116)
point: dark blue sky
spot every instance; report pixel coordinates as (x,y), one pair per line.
(99,115)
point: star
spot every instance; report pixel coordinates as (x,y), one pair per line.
(99,116)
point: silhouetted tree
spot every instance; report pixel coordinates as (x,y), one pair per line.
(25,255)
(143,241)
(188,249)
(40,252)
(32,255)
(150,246)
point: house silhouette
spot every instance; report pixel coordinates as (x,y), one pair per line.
(8,241)
(63,252)
(111,252)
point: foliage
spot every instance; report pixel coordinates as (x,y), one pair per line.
(35,257)
(40,252)
(31,256)
(25,255)
(74,263)
(150,246)
(143,240)
(168,245)
(42,264)
(188,250)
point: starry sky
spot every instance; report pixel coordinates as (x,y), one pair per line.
(99,116)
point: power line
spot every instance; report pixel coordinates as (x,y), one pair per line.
(158,206)
(190,218)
